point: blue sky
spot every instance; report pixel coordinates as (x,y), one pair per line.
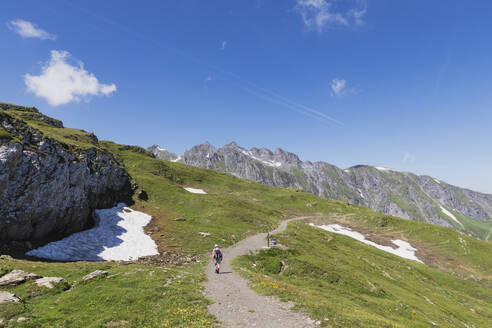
(401,84)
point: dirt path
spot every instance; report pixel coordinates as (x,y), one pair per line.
(236,304)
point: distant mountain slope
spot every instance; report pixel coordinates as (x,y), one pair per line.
(402,194)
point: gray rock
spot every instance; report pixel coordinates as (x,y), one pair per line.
(23,319)
(16,277)
(6,297)
(179,219)
(205,234)
(49,282)
(94,274)
(49,190)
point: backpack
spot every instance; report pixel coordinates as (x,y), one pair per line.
(218,254)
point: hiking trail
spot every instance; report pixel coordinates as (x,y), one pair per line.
(236,304)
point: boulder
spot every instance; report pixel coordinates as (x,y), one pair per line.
(6,297)
(16,277)
(204,234)
(23,319)
(142,195)
(49,282)
(179,219)
(94,274)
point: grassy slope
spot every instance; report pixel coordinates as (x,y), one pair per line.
(342,282)
(233,209)
(141,295)
(232,206)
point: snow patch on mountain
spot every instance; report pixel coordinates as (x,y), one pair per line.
(360,193)
(118,235)
(176,159)
(404,249)
(195,191)
(385,169)
(448,213)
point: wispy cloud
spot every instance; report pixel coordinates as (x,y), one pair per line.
(232,78)
(338,86)
(318,14)
(407,157)
(27,29)
(60,82)
(223,45)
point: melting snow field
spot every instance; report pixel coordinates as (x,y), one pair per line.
(404,249)
(195,191)
(448,213)
(118,235)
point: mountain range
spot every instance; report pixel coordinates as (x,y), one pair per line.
(388,191)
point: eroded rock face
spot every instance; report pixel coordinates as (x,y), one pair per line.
(48,189)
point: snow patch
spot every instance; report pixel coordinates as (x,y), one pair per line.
(360,193)
(176,159)
(384,169)
(448,213)
(118,235)
(269,163)
(195,191)
(346,171)
(439,182)
(404,249)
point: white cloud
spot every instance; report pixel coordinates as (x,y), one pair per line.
(316,14)
(407,157)
(224,45)
(208,78)
(60,82)
(29,30)
(338,86)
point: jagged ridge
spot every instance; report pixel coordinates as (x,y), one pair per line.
(397,193)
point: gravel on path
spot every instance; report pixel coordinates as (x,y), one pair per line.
(236,304)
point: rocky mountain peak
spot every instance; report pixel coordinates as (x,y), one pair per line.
(232,144)
(286,157)
(385,190)
(162,153)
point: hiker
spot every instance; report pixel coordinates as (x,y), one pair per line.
(217,256)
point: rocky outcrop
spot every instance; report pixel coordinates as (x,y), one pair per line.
(387,191)
(49,188)
(50,282)
(6,297)
(16,277)
(95,274)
